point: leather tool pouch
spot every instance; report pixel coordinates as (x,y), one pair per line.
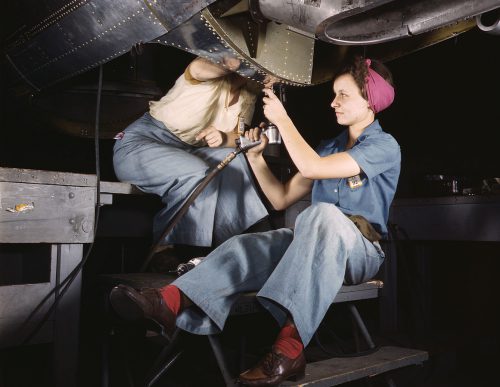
(365,228)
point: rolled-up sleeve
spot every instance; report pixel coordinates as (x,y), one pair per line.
(376,154)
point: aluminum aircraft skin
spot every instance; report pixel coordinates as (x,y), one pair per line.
(296,41)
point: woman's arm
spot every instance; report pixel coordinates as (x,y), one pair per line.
(308,162)
(279,195)
(202,69)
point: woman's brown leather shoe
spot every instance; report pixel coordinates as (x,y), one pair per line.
(273,369)
(131,304)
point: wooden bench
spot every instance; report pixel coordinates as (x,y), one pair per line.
(54,213)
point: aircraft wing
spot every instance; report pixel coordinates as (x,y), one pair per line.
(297,41)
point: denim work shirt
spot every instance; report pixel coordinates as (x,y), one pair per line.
(370,193)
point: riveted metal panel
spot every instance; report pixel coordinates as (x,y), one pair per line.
(75,39)
(215,39)
(172,13)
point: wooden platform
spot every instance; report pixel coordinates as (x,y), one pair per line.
(335,371)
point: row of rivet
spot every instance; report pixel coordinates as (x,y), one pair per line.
(89,67)
(25,36)
(282,73)
(57,15)
(297,78)
(249,63)
(117,54)
(93,39)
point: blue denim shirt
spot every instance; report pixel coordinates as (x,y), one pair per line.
(369,194)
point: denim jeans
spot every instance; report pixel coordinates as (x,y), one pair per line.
(296,273)
(152,158)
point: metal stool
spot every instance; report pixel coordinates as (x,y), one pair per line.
(246,304)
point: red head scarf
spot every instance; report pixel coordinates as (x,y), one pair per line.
(380,92)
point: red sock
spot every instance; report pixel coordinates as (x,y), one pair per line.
(172,297)
(288,342)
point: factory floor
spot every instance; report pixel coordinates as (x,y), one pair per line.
(455,359)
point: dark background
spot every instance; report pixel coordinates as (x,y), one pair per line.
(446,119)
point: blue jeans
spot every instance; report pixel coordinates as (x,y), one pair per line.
(152,158)
(296,273)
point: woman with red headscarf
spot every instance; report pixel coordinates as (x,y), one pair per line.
(298,272)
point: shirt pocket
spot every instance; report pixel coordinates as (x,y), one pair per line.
(357,198)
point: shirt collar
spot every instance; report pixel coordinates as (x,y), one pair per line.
(341,139)
(373,128)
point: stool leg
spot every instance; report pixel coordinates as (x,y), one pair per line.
(361,325)
(355,333)
(243,350)
(163,369)
(155,373)
(366,335)
(219,356)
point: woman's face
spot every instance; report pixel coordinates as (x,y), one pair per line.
(350,107)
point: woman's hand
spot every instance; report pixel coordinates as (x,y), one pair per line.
(212,136)
(256,134)
(273,108)
(231,63)
(269,81)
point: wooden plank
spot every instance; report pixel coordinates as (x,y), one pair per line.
(67,316)
(12,337)
(114,187)
(369,285)
(105,199)
(35,176)
(57,213)
(16,304)
(362,291)
(335,371)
